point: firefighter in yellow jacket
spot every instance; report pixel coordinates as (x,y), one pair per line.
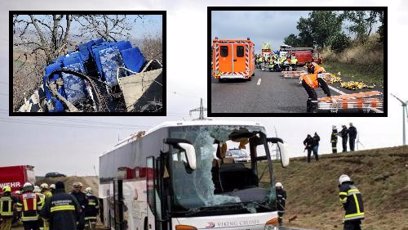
(312,81)
(7,208)
(352,201)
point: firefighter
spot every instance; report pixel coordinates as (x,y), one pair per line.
(81,198)
(52,188)
(352,201)
(308,143)
(293,62)
(91,209)
(281,201)
(45,190)
(61,210)
(28,203)
(333,139)
(37,191)
(7,208)
(312,81)
(352,132)
(344,135)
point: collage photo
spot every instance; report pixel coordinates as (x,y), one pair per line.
(203,114)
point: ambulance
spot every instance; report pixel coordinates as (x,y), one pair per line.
(233,59)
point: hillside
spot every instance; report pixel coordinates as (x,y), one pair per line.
(87,181)
(380,174)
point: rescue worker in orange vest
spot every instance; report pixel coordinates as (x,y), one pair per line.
(28,204)
(312,81)
(7,208)
(352,201)
(91,209)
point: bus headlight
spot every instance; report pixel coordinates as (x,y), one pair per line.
(185,227)
(272,224)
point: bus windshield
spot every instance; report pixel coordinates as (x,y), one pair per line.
(234,170)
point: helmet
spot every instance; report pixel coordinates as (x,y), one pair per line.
(28,186)
(44,186)
(37,189)
(77,184)
(88,190)
(278,185)
(344,178)
(333,127)
(52,186)
(18,192)
(6,188)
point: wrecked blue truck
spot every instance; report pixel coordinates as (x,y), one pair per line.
(99,76)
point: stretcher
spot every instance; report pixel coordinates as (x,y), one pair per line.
(366,101)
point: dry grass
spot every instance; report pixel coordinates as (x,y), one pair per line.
(381,175)
(369,53)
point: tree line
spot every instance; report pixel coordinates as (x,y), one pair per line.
(337,29)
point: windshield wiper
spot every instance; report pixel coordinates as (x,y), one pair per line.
(224,207)
(262,204)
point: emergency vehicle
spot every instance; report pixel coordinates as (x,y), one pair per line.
(16,176)
(233,59)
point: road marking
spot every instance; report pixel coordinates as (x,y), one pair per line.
(336,90)
(342,93)
(259,81)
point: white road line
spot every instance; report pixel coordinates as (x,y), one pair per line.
(342,93)
(259,81)
(336,90)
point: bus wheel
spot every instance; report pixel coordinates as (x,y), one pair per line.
(220,80)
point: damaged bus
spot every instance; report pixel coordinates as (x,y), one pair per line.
(176,176)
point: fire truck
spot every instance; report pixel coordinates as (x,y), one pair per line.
(233,59)
(16,176)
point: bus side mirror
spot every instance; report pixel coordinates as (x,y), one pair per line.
(187,147)
(282,148)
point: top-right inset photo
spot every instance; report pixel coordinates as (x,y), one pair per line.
(291,61)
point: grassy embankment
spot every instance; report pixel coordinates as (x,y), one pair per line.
(360,62)
(380,174)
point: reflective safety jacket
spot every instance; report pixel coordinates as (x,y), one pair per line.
(61,211)
(28,204)
(317,68)
(7,206)
(47,194)
(92,207)
(42,200)
(352,202)
(311,80)
(334,136)
(293,61)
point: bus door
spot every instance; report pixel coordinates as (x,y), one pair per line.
(156,194)
(118,220)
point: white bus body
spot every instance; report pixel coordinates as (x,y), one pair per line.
(175,177)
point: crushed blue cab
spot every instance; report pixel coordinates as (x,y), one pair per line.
(96,58)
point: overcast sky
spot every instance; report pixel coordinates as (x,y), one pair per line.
(259,26)
(72,145)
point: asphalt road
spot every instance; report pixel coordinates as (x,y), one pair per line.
(267,92)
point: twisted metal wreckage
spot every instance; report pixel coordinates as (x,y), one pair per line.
(99,76)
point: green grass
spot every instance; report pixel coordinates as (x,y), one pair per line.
(369,74)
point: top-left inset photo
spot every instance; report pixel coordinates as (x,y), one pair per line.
(87,63)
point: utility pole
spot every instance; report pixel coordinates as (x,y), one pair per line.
(404,108)
(201,110)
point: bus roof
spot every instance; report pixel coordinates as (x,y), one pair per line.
(168,124)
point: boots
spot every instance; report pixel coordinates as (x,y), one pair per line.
(311,106)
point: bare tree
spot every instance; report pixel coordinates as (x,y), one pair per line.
(108,27)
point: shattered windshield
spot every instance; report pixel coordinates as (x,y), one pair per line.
(220,179)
